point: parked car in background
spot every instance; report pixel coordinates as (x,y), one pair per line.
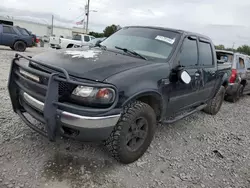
(15,37)
(91,43)
(118,91)
(45,38)
(54,42)
(239,80)
(25,32)
(77,40)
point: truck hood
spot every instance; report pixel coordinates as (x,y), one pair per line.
(94,64)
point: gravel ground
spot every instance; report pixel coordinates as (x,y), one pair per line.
(198,151)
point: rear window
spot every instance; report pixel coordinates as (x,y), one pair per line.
(77,37)
(224,57)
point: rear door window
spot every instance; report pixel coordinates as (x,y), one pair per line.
(77,37)
(8,30)
(247,63)
(241,63)
(205,54)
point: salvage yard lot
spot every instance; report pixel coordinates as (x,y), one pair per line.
(198,151)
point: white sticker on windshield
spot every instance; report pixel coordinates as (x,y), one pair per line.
(165,39)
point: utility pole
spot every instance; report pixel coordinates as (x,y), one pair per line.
(83,25)
(87,14)
(52,25)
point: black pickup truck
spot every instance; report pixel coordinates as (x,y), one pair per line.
(117,91)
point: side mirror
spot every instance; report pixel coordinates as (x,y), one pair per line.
(98,43)
(185,77)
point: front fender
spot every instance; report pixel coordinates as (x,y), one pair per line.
(152,94)
(146,92)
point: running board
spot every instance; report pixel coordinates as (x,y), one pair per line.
(177,118)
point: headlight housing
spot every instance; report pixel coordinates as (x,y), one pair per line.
(93,96)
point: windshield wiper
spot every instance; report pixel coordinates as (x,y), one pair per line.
(131,52)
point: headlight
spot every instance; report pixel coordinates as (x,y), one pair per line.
(93,95)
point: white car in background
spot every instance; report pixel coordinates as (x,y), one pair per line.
(77,40)
(91,43)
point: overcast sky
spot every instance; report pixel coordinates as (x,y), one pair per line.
(225,21)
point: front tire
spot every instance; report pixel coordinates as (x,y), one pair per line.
(133,133)
(214,105)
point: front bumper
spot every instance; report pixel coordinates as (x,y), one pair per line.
(85,128)
(78,122)
(55,46)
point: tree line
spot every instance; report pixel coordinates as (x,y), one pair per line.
(109,30)
(244,49)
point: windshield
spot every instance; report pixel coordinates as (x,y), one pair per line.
(152,43)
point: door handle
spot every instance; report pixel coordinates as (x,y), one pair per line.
(212,73)
(196,74)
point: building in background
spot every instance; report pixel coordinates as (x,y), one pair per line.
(42,29)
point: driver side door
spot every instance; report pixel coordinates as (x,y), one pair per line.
(183,95)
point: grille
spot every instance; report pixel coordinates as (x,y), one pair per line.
(65,88)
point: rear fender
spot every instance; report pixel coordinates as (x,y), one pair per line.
(223,82)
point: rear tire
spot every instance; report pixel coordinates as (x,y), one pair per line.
(11,47)
(236,97)
(214,105)
(133,133)
(20,46)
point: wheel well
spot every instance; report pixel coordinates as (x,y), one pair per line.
(243,82)
(70,45)
(154,102)
(20,41)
